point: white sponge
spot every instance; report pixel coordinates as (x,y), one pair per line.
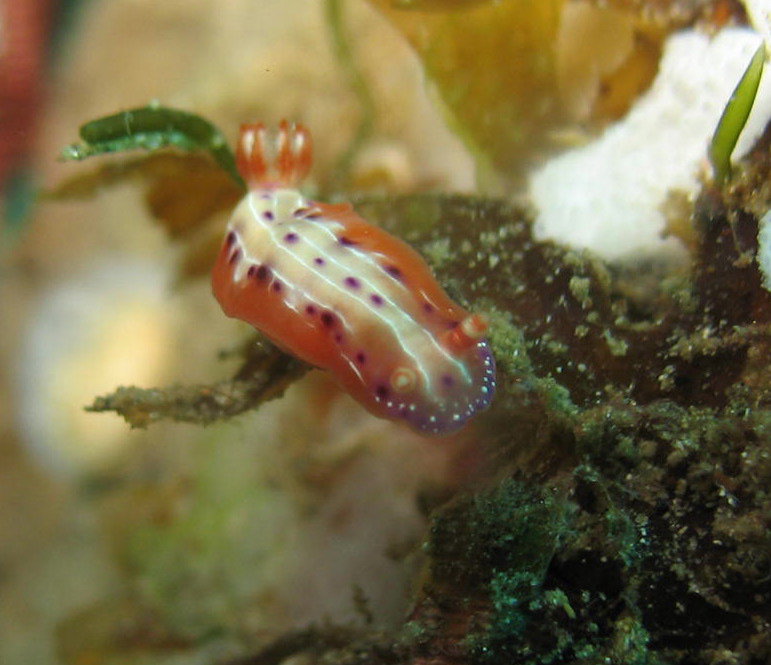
(607,196)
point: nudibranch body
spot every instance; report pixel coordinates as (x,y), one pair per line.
(346,296)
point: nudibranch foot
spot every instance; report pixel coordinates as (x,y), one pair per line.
(346,296)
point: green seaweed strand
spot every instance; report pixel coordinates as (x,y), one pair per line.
(735,116)
(346,58)
(150,128)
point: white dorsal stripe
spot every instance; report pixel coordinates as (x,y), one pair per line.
(262,242)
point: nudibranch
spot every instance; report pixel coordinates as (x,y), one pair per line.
(346,296)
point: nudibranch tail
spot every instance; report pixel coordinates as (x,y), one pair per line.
(282,158)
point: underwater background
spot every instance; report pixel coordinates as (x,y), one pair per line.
(592,176)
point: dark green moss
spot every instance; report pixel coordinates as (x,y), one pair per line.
(573,609)
(542,627)
(500,543)
(510,530)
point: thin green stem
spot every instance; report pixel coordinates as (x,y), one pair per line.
(735,116)
(345,56)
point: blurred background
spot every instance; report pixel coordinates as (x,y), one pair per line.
(180,543)
(181,535)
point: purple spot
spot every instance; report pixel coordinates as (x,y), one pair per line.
(346,241)
(230,238)
(276,286)
(291,237)
(352,282)
(377,299)
(395,272)
(262,272)
(319,261)
(252,271)
(268,215)
(381,391)
(328,319)
(313,215)
(235,256)
(301,212)
(361,358)
(338,337)
(428,308)
(310,309)
(447,380)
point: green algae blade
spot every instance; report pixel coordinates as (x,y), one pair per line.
(735,116)
(151,128)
